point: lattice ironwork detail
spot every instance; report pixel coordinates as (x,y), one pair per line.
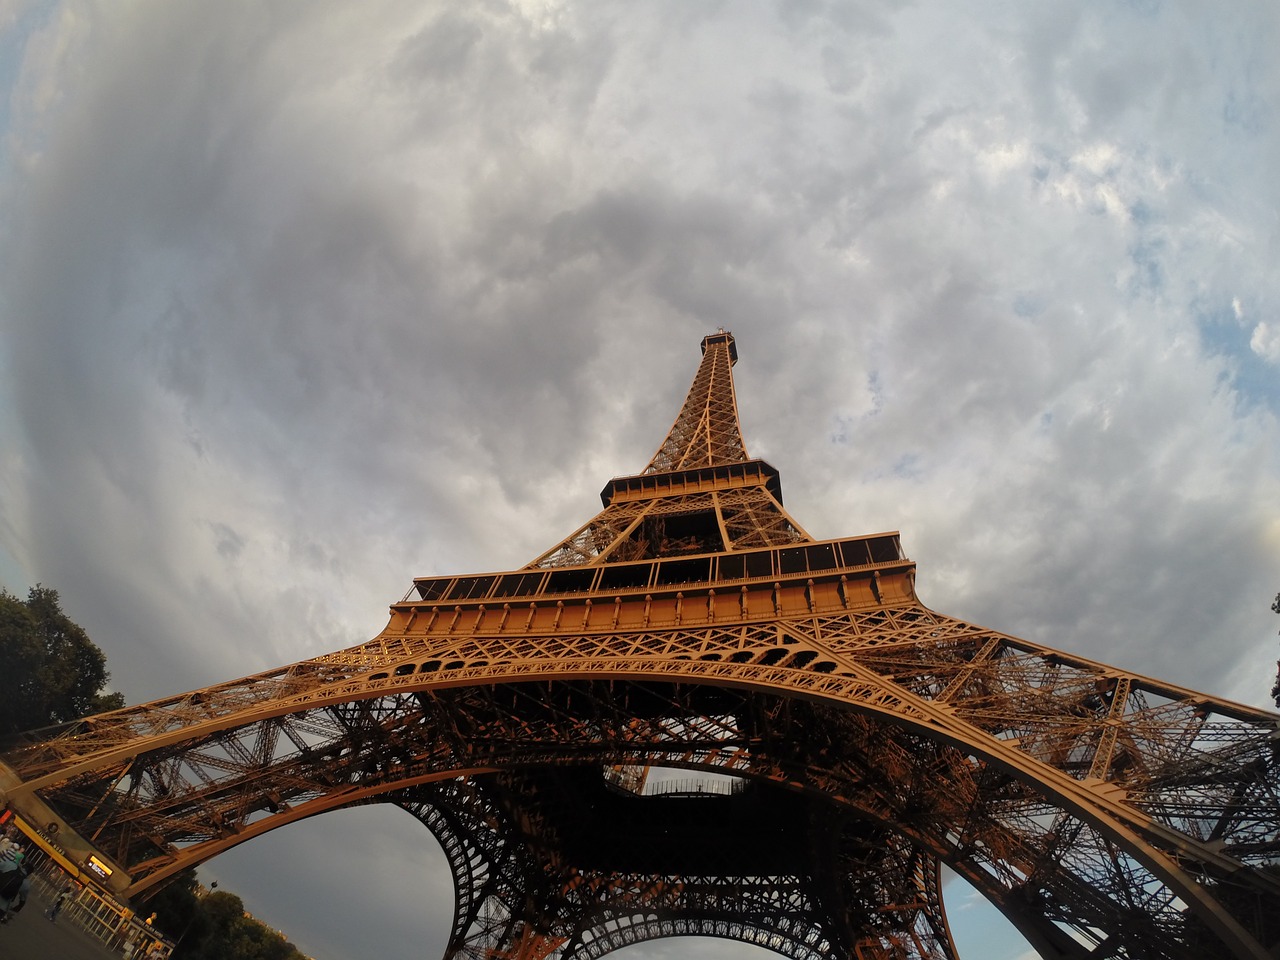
(694,625)
(497,828)
(706,432)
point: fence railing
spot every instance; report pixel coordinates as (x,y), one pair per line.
(100,915)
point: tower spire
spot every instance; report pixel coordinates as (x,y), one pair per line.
(700,494)
(706,432)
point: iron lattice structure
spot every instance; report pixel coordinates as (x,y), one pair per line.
(864,740)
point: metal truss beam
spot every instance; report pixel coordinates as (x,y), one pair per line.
(694,624)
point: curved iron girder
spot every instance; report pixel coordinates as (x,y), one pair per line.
(854,891)
(1003,854)
(1139,815)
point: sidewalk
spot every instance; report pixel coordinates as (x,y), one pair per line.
(30,936)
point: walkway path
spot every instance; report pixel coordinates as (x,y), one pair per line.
(30,936)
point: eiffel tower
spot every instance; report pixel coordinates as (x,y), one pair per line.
(840,743)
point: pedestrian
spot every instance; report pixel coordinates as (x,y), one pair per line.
(58,902)
(15,886)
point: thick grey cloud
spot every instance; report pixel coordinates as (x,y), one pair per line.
(301,301)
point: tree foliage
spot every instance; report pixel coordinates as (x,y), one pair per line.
(215,926)
(179,912)
(54,672)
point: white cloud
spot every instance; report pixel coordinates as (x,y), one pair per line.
(1265,341)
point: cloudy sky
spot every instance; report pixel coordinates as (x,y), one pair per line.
(301,300)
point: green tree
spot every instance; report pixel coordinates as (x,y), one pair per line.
(224,911)
(231,934)
(220,916)
(180,914)
(55,672)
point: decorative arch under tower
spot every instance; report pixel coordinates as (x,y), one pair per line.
(861,740)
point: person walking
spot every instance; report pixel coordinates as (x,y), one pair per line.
(58,902)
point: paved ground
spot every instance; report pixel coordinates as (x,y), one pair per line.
(29,936)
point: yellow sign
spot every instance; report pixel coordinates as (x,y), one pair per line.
(98,868)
